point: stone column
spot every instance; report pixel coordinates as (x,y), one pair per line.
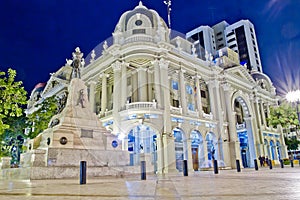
(183,101)
(268,112)
(251,143)
(116,96)
(189,152)
(157,85)
(104,94)
(198,95)
(134,86)
(233,142)
(263,113)
(160,154)
(168,139)
(142,85)
(92,85)
(124,85)
(256,129)
(211,97)
(150,82)
(217,110)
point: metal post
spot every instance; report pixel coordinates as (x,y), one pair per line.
(216,170)
(270,164)
(143,170)
(82,172)
(238,165)
(292,163)
(281,163)
(255,164)
(185,168)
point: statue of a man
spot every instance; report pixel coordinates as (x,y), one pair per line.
(77,59)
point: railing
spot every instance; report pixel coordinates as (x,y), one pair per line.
(139,38)
(141,105)
(240,126)
(107,113)
(208,116)
(176,110)
(193,113)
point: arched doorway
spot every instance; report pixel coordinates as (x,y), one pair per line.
(244,132)
(179,148)
(278,149)
(266,145)
(243,139)
(212,146)
(197,149)
(273,151)
(142,139)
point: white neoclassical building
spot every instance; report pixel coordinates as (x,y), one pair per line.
(151,89)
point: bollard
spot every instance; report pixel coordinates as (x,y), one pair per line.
(185,168)
(82,172)
(292,163)
(255,164)
(270,164)
(238,166)
(216,167)
(143,170)
(281,163)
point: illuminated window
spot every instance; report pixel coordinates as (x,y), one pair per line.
(175,85)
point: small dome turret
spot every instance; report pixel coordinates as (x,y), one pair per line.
(140,21)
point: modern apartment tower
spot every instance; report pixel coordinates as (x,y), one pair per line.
(240,37)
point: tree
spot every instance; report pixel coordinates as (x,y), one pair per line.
(285,116)
(12,97)
(13,138)
(39,119)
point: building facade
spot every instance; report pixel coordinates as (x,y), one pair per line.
(168,103)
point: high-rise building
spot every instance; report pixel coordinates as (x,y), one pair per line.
(239,37)
(203,39)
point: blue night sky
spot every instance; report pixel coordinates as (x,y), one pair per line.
(36,36)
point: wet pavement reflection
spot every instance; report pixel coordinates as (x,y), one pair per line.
(263,184)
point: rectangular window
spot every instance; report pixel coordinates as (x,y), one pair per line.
(138,31)
(191,107)
(189,89)
(176,103)
(174,85)
(203,94)
(220,33)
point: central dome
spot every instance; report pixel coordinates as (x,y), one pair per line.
(142,21)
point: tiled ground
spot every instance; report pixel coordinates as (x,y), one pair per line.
(228,184)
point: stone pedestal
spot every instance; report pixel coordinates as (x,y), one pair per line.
(77,135)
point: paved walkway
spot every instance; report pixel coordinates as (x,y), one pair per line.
(249,184)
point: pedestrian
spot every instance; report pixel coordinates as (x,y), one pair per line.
(267,160)
(261,161)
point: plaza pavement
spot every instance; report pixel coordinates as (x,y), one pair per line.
(249,184)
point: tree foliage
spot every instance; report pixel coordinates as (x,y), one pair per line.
(283,115)
(13,136)
(292,143)
(286,116)
(12,97)
(39,119)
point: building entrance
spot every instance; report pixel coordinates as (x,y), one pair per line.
(142,139)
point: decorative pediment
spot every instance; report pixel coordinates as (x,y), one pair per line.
(240,73)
